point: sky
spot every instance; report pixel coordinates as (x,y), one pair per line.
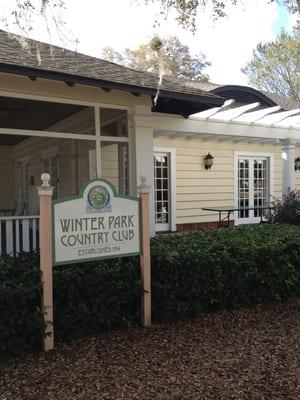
(228,43)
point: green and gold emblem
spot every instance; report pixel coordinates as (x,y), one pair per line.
(98,198)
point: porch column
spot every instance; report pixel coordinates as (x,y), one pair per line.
(288,167)
(141,157)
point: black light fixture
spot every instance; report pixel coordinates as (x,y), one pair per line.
(208,161)
(297,163)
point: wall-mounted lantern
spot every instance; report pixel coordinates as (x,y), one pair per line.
(208,161)
(297,163)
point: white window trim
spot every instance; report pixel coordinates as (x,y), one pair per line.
(238,154)
(172,152)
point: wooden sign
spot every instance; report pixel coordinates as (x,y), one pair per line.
(96,224)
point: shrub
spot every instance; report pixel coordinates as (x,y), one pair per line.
(192,272)
(287,210)
(95,296)
(21,322)
(87,298)
(223,269)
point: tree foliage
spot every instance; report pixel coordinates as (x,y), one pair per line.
(186,10)
(275,66)
(162,56)
(25,14)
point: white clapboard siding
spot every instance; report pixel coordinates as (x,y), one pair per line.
(197,188)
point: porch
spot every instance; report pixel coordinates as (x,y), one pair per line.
(75,141)
(61,139)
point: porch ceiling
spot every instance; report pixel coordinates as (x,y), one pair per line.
(32,115)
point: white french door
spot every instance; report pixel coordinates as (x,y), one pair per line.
(164,207)
(253,188)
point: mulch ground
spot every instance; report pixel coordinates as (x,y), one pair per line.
(245,354)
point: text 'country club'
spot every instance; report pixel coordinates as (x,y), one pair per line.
(97,230)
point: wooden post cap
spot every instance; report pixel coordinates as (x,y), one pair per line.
(45,178)
(143,187)
(45,189)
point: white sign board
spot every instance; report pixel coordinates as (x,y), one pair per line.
(96,224)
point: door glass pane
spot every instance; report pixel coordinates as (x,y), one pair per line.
(243,187)
(253,186)
(260,186)
(161,187)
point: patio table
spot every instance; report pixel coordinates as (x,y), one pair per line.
(225,221)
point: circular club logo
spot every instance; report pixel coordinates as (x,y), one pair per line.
(98,197)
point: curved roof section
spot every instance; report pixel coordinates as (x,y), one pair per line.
(37,59)
(246,95)
(243,95)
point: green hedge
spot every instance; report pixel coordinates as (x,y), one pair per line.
(20,314)
(95,296)
(224,269)
(192,272)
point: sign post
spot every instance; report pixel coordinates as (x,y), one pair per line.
(45,193)
(145,257)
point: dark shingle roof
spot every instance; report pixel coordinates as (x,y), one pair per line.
(285,102)
(18,54)
(246,94)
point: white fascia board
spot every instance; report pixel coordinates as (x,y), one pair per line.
(217,128)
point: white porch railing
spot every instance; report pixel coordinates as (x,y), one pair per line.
(19,233)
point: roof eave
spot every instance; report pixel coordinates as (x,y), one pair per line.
(107,85)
